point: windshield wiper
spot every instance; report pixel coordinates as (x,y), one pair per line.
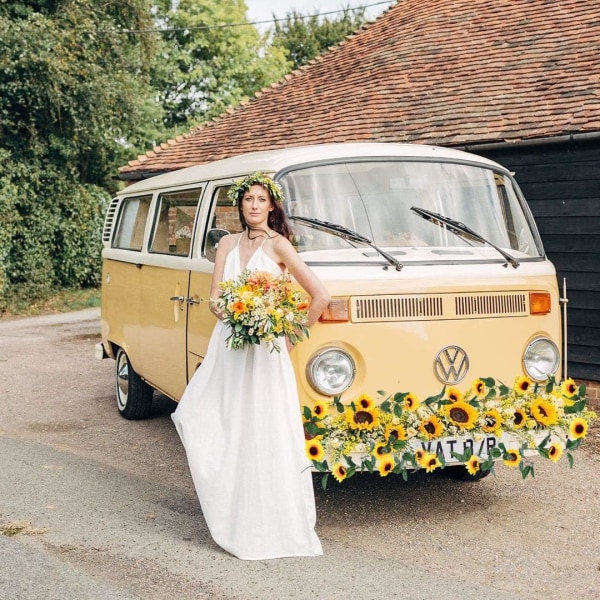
(347,234)
(462,230)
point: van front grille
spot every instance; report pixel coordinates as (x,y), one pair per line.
(396,308)
(372,309)
(491,304)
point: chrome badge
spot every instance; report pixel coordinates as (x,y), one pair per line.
(451,365)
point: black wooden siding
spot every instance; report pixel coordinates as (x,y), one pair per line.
(561,182)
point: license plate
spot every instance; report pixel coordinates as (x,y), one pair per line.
(446,446)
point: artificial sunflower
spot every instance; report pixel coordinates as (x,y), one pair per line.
(419,455)
(395,433)
(492,421)
(365,402)
(578,428)
(519,418)
(386,466)
(512,458)
(555,452)
(319,410)
(462,414)
(478,388)
(569,387)
(430,462)
(381,449)
(314,450)
(544,412)
(339,472)
(473,465)
(411,402)
(454,395)
(363,419)
(523,384)
(431,427)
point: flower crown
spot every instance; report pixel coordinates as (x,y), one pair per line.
(241,186)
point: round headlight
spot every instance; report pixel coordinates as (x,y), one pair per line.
(331,371)
(541,359)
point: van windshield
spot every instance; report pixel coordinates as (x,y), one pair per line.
(374,199)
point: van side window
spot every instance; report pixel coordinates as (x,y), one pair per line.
(132,223)
(172,233)
(225,215)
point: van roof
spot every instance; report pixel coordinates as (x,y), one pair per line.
(273,161)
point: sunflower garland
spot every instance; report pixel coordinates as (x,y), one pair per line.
(401,433)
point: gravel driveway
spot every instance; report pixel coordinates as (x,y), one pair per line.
(94,506)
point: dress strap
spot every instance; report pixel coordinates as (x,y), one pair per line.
(239,239)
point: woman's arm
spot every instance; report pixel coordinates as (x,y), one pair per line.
(286,254)
(226,243)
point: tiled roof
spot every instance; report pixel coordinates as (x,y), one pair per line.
(445,72)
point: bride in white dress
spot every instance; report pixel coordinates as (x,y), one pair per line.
(239,418)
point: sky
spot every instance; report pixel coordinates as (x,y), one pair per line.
(262,10)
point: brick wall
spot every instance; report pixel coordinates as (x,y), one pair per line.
(593,393)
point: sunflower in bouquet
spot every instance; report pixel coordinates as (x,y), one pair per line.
(261,307)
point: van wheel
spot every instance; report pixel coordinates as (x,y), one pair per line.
(462,474)
(134,395)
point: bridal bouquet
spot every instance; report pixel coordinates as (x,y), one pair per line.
(260,306)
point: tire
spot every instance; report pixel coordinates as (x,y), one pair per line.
(134,395)
(461,474)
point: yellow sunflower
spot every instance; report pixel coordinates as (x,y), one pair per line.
(339,472)
(319,410)
(519,418)
(381,449)
(430,462)
(555,452)
(544,412)
(411,402)
(478,388)
(386,466)
(473,465)
(512,458)
(419,454)
(431,427)
(395,433)
(462,414)
(492,421)
(569,387)
(523,384)
(364,419)
(454,395)
(365,402)
(314,450)
(578,428)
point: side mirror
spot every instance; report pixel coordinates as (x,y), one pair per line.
(212,241)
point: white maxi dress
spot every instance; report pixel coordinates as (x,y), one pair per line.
(240,423)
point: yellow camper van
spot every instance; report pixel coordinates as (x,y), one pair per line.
(435,268)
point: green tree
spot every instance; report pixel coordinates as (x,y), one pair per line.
(211,59)
(75,86)
(305,37)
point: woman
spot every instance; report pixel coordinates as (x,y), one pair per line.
(239,417)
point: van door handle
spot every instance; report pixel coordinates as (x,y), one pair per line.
(178,298)
(193,301)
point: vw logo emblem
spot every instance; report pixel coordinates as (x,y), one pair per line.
(451,365)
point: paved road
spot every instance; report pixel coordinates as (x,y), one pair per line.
(104,508)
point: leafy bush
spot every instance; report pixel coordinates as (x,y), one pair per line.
(50,232)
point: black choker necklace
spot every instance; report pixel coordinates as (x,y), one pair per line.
(263,234)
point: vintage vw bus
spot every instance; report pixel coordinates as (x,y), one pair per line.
(433,261)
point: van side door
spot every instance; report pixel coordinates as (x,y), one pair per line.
(164,286)
(218,213)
